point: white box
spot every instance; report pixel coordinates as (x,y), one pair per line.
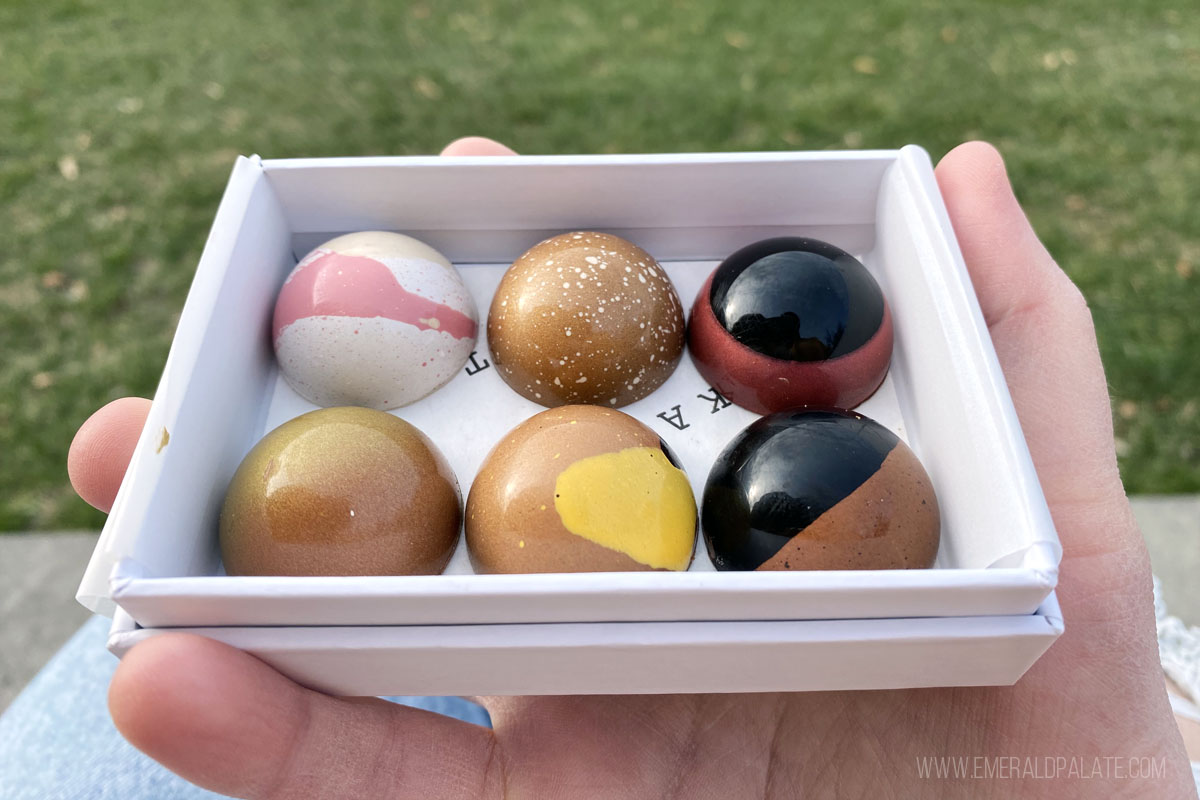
(643,657)
(945,395)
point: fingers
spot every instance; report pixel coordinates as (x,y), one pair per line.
(1045,342)
(102,447)
(476,146)
(226,721)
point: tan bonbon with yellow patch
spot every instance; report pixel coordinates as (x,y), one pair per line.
(580,489)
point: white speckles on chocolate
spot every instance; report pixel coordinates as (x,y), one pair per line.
(633,333)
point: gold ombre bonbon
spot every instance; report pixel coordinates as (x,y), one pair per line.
(341,491)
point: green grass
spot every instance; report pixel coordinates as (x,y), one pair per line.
(119,122)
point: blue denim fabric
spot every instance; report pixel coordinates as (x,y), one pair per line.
(57,741)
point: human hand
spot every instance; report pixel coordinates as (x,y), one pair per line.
(226,721)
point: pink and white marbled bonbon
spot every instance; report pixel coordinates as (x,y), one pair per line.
(373,319)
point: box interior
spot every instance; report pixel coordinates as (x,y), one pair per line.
(944,395)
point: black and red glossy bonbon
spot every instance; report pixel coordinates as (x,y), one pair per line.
(791,321)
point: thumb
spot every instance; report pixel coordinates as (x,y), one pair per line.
(1046,344)
(226,721)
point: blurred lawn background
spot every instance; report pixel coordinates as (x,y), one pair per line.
(119,122)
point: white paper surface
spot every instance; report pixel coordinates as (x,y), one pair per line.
(642,657)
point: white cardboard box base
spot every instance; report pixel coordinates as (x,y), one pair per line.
(978,617)
(643,657)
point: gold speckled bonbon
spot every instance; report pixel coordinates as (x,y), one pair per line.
(586,317)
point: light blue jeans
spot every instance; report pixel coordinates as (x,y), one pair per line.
(57,741)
